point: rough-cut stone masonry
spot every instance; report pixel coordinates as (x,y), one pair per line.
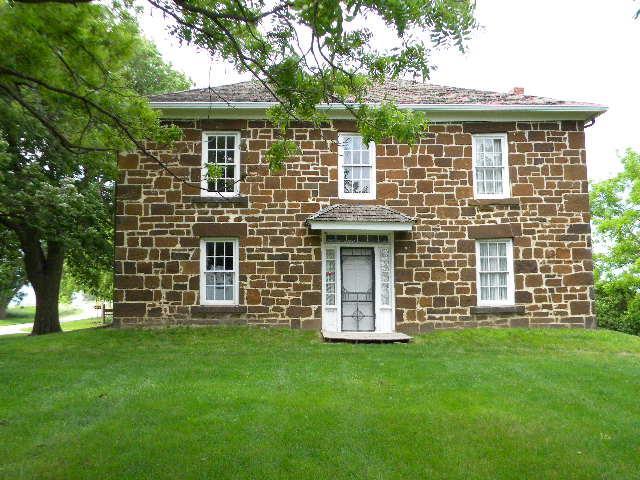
(160,221)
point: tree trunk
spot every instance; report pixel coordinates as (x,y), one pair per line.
(3,310)
(44,272)
(47,319)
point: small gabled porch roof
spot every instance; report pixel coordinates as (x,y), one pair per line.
(360,217)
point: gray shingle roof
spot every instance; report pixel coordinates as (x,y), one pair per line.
(359,213)
(399,91)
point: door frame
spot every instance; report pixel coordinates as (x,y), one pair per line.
(384,312)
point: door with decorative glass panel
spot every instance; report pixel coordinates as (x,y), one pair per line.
(358,296)
(358,283)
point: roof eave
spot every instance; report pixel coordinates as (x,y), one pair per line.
(454,107)
(345,225)
(444,110)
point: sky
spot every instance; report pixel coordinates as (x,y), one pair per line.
(583,50)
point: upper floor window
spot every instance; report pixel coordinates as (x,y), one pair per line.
(490,166)
(356,167)
(219,269)
(494,270)
(223,150)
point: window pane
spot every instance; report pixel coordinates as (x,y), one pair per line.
(209,263)
(220,265)
(484,264)
(218,293)
(228,293)
(210,293)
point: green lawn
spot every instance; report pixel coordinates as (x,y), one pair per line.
(216,403)
(26,314)
(76,325)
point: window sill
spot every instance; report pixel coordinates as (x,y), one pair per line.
(482,202)
(241,201)
(356,198)
(208,309)
(501,309)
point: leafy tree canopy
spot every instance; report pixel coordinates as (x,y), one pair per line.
(305,52)
(71,68)
(615,207)
(12,275)
(83,75)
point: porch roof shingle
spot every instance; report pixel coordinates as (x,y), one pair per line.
(359,213)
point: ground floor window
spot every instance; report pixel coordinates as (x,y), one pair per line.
(495,282)
(219,271)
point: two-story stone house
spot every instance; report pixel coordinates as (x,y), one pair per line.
(484,222)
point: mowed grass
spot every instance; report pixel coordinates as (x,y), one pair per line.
(253,403)
(76,325)
(27,314)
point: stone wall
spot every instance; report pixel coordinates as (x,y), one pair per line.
(160,221)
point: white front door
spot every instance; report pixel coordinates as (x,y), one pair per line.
(357,289)
(358,286)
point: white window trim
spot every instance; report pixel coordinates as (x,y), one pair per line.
(371,195)
(510,300)
(506,190)
(203,265)
(204,160)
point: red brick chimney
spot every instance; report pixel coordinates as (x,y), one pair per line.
(518,90)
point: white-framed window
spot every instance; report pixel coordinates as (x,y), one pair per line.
(221,149)
(494,272)
(491,166)
(219,271)
(356,167)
